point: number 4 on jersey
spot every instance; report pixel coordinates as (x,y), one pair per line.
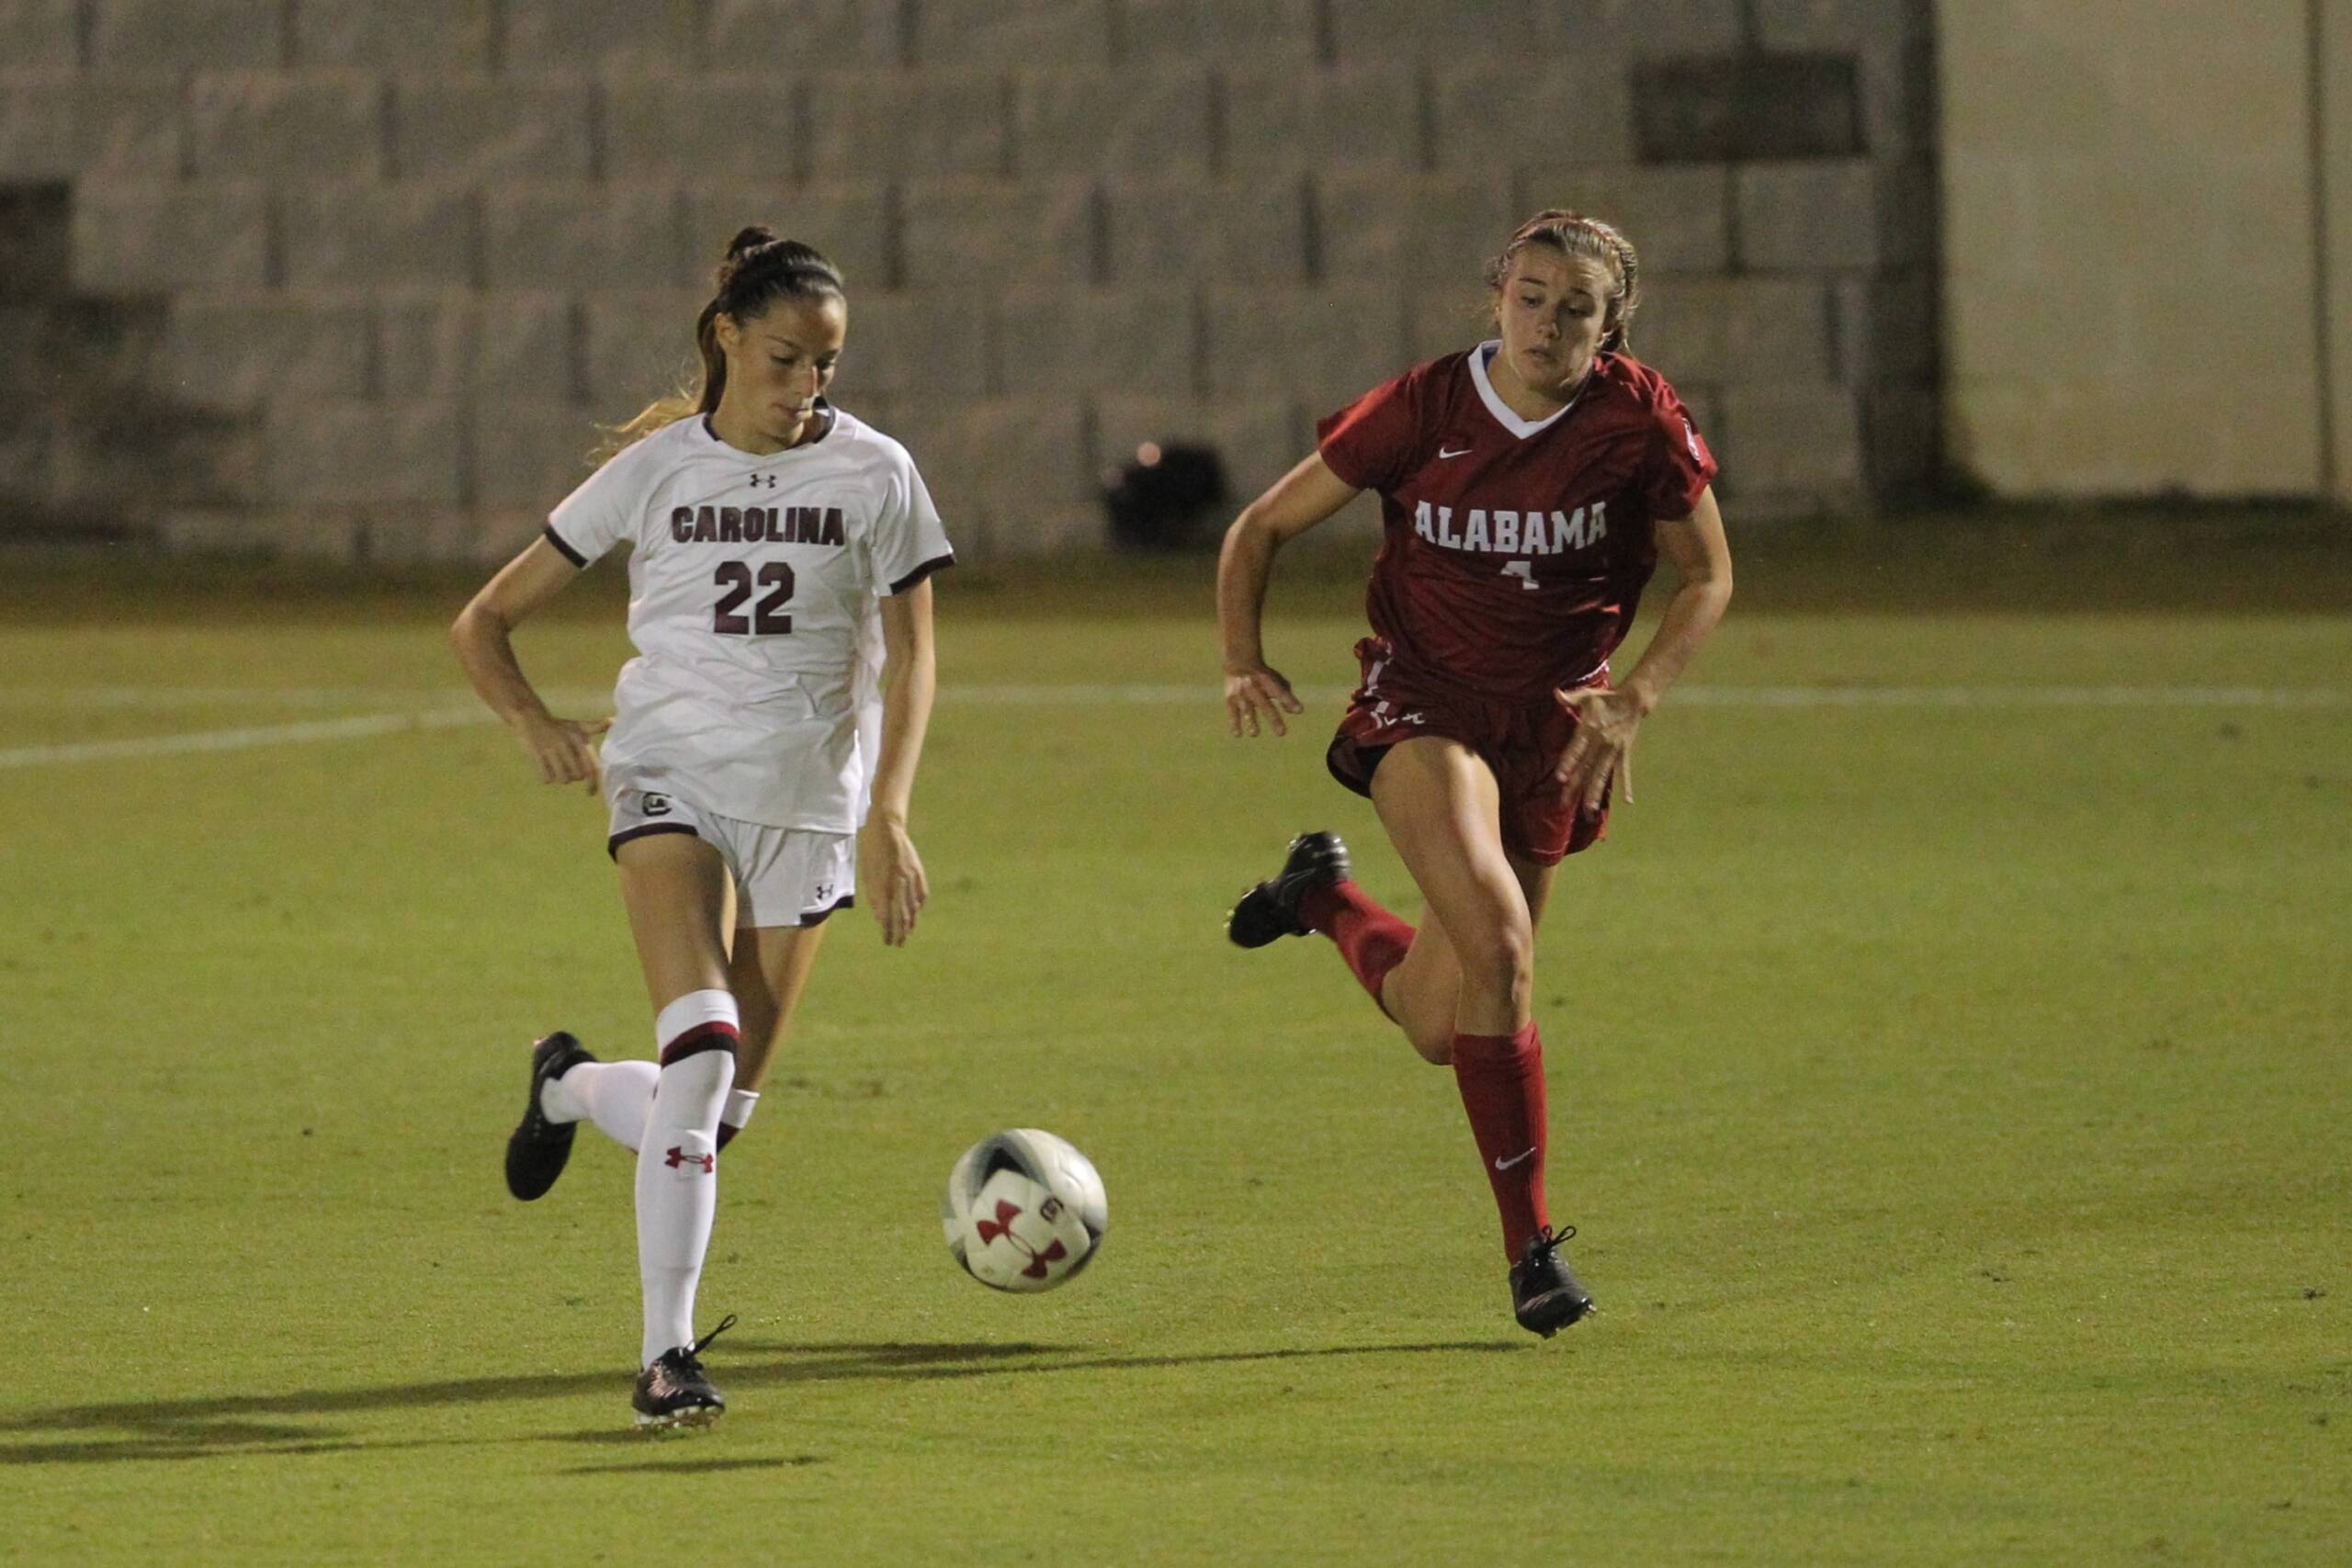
(767,617)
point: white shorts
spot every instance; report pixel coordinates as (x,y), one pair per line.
(784,877)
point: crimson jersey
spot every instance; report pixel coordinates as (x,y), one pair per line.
(1514,552)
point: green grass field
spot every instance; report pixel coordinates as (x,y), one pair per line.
(1952,1089)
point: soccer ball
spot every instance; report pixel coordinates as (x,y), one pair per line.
(1024,1211)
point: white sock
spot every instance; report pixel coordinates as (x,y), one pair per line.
(740,1103)
(677,1164)
(615,1095)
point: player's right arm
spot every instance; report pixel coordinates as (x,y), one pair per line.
(1297,502)
(482,635)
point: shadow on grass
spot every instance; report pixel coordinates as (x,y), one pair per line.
(241,1424)
(698,1466)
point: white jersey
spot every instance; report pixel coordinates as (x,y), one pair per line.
(754,592)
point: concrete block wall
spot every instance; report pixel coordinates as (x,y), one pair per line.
(401,256)
(2109,168)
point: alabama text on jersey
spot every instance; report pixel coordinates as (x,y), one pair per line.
(1514,552)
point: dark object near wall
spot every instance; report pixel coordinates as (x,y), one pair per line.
(36,240)
(1753,106)
(93,447)
(1167,499)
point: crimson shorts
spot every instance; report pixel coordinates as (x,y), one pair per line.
(1522,741)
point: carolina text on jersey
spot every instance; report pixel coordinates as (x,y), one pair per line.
(756,525)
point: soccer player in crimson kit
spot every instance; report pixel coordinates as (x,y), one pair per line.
(1527,488)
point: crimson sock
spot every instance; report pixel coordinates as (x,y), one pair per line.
(1372,940)
(1501,1079)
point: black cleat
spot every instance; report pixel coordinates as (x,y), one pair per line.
(673,1391)
(537,1152)
(1270,909)
(1544,1295)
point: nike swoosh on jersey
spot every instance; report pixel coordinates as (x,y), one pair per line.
(1444,453)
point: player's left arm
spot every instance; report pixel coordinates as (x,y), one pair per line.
(1603,746)
(889,871)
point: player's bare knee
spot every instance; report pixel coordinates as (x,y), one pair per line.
(1499,961)
(1421,1000)
(1433,1040)
(1504,955)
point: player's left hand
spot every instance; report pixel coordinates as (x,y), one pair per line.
(891,873)
(1603,748)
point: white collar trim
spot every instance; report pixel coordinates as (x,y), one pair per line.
(1504,416)
(711,440)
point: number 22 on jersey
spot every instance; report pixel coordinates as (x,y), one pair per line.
(767,617)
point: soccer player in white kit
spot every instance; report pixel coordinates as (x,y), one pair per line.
(762,757)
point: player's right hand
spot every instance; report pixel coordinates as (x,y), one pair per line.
(1253,689)
(564,749)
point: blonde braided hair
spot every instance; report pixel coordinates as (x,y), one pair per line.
(1573,233)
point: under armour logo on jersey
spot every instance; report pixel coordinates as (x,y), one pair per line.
(767,479)
(824,892)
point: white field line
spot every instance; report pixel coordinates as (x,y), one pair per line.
(1018,695)
(2011,696)
(1043,694)
(158,697)
(240,738)
(459,712)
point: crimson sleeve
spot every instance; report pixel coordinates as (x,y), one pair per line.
(1369,444)
(1681,465)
